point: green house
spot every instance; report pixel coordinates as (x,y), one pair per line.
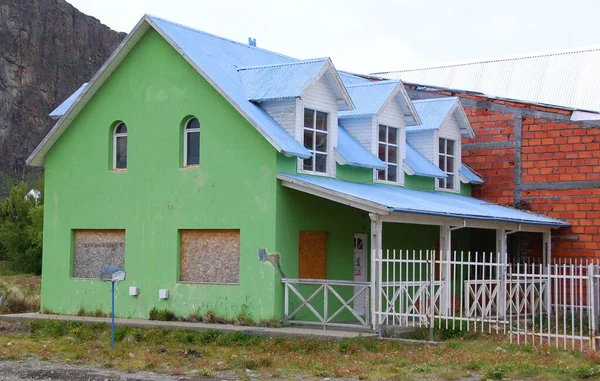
(226,178)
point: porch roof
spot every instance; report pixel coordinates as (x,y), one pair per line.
(386,199)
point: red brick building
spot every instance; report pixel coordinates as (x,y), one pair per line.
(535,158)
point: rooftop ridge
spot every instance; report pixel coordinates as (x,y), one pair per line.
(440,99)
(298,62)
(376,83)
(484,61)
(219,37)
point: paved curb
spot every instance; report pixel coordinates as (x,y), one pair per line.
(288,332)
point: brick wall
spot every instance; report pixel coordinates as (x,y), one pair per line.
(535,158)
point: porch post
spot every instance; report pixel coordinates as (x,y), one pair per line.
(501,268)
(547,258)
(445,248)
(547,248)
(376,246)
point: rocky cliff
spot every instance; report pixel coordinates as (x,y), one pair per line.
(47,50)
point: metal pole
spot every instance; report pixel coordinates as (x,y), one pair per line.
(113,315)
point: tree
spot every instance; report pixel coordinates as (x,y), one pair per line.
(21,229)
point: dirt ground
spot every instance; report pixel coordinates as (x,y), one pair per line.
(33,369)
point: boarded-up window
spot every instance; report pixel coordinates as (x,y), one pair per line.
(312,255)
(210,256)
(97,249)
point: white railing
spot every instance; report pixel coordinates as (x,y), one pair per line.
(326,302)
(555,303)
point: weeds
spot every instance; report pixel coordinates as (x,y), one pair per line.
(498,372)
(588,371)
(161,314)
(178,352)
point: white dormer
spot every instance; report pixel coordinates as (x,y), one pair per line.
(439,137)
(378,122)
(304,97)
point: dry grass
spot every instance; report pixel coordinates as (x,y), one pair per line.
(237,355)
(20,293)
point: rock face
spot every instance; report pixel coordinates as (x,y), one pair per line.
(47,50)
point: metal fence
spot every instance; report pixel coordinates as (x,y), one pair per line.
(532,303)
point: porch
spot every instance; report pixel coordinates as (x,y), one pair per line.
(443,269)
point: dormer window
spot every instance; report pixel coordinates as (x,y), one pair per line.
(447,163)
(315,140)
(388,153)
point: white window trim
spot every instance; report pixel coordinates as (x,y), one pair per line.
(398,155)
(455,188)
(115,137)
(329,172)
(186,131)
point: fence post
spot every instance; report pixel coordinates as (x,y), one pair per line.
(431,295)
(592,294)
(325,307)
(286,306)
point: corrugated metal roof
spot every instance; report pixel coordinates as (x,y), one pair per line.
(63,107)
(219,59)
(470,177)
(420,165)
(369,98)
(278,81)
(397,199)
(432,112)
(355,154)
(568,79)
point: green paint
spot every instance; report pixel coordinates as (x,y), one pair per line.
(354,174)
(465,189)
(419,182)
(152,91)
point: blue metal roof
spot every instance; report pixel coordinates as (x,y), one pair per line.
(219,59)
(287,80)
(354,153)
(470,175)
(420,165)
(432,112)
(63,107)
(397,199)
(368,98)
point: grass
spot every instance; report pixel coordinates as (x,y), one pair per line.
(237,355)
(21,293)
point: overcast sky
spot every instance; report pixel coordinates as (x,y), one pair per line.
(371,36)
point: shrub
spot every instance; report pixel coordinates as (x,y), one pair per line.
(162,314)
(21,229)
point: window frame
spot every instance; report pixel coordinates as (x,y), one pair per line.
(387,143)
(116,136)
(187,131)
(454,171)
(314,130)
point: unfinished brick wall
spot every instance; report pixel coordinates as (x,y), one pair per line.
(535,158)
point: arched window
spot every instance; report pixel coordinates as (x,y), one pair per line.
(191,142)
(120,146)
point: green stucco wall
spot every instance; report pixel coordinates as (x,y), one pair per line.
(235,187)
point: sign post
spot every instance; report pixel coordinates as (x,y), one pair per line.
(112,275)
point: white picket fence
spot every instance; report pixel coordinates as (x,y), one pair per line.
(532,303)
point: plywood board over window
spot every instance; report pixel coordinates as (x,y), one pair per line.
(210,256)
(97,249)
(312,255)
